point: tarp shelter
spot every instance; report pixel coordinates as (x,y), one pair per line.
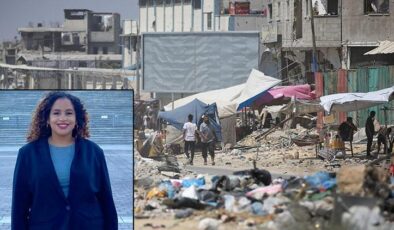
(347,102)
(231,99)
(257,85)
(283,94)
(197,108)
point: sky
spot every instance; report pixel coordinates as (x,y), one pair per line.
(18,13)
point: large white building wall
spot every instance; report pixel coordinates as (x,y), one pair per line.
(160,18)
(168,18)
(197,20)
(143,19)
(151,22)
(187,18)
(178,18)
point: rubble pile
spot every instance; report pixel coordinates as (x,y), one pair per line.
(252,199)
(321,193)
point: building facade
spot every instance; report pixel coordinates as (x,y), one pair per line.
(86,39)
(83,31)
(343,32)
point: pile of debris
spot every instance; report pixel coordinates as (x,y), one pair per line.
(354,198)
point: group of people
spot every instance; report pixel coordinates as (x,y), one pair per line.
(205,133)
(372,127)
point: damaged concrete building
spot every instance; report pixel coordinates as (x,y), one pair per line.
(344,31)
(84,33)
(83,53)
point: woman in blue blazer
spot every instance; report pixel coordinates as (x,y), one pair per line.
(61,179)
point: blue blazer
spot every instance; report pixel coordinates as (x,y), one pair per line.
(38,202)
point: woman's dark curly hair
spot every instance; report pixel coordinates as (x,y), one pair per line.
(39,127)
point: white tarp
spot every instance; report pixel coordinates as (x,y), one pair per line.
(257,84)
(346,102)
(229,99)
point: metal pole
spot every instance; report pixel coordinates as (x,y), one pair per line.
(172,100)
(386,134)
(137,57)
(315,66)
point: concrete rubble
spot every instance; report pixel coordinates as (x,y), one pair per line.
(316,194)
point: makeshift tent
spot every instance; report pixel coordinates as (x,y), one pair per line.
(283,94)
(257,85)
(347,102)
(234,98)
(197,108)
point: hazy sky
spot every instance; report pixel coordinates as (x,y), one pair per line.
(18,13)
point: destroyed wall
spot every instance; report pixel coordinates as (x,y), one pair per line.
(327,27)
(363,27)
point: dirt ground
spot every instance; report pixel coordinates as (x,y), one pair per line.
(290,160)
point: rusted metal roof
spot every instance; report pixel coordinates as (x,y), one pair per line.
(385,47)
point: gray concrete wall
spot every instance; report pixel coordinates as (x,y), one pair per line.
(248,23)
(76,24)
(327,29)
(363,29)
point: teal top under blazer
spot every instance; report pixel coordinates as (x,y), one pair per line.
(38,202)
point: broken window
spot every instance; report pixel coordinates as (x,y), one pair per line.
(168,2)
(376,6)
(74,14)
(159,2)
(270,10)
(102,22)
(75,39)
(325,7)
(197,4)
(66,37)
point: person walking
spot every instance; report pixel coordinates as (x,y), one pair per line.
(189,136)
(370,131)
(208,139)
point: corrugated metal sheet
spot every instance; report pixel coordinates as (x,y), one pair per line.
(352,87)
(342,88)
(319,82)
(330,82)
(385,47)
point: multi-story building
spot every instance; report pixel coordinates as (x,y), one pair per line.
(129,44)
(8,51)
(200,15)
(342,33)
(86,39)
(364,24)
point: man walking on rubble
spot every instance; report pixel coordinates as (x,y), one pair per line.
(208,139)
(189,136)
(370,131)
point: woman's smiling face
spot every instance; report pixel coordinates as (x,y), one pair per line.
(62,118)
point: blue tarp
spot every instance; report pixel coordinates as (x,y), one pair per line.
(197,108)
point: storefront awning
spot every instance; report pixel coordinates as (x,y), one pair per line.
(385,47)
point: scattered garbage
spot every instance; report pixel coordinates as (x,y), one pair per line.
(344,197)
